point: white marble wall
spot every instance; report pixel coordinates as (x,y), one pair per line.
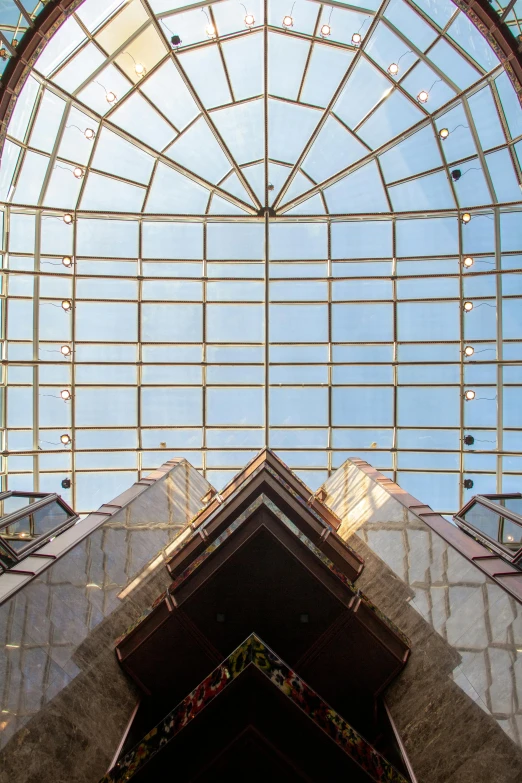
(64,701)
(458,703)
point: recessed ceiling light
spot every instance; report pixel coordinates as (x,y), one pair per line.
(423,96)
(393,69)
(468,307)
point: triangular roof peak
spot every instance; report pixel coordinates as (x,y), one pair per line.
(266,459)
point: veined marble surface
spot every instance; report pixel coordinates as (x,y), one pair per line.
(64,701)
(458,703)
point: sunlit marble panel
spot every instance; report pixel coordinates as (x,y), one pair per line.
(62,693)
(458,702)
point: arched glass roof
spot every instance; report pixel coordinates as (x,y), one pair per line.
(267,231)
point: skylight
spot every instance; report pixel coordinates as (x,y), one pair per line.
(220,234)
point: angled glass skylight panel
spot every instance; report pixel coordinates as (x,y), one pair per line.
(327,67)
(410,24)
(47,122)
(166,89)
(359,192)
(344,23)
(109,194)
(79,68)
(242,129)
(364,89)
(311,206)
(74,145)
(303,14)
(232,184)
(362,239)
(118,156)
(298,323)
(10,156)
(198,150)
(140,119)
(486,118)
(457,68)
(31,178)
(256,177)
(459,144)
(334,149)
(440,11)
(99,93)
(235,323)
(172,323)
(220,206)
(63,187)
(94,13)
(204,68)
(244,63)
(284,146)
(417,153)
(502,173)
(300,184)
(394,115)
(66,39)
(174,193)
(429,192)
(126,22)
(384,47)
(231,19)
(142,54)
(472,189)
(287,58)
(189,25)
(464,32)
(510,104)
(23,109)
(423,79)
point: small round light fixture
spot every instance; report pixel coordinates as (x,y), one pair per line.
(210,31)
(110,96)
(469,350)
(356,39)
(443,134)
(423,96)
(468,484)
(288,21)
(66,483)
(456,174)
(469,440)
(326,30)
(67,261)
(466,217)
(393,69)
(469,395)
(65,394)
(468,307)
(4,53)
(175,41)
(140,69)
(468,261)
(68,218)
(66,305)
(250,20)
(65,350)
(65,439)
(89,133)
(78,172)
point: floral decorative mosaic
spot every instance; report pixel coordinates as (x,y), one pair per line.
(253,652)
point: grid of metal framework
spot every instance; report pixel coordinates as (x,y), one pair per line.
(266,246)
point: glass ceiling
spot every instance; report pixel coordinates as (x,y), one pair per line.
(265,245)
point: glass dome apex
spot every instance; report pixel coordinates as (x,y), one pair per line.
(267,247)
(207,128)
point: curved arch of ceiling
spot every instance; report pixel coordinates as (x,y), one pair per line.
(167,158)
